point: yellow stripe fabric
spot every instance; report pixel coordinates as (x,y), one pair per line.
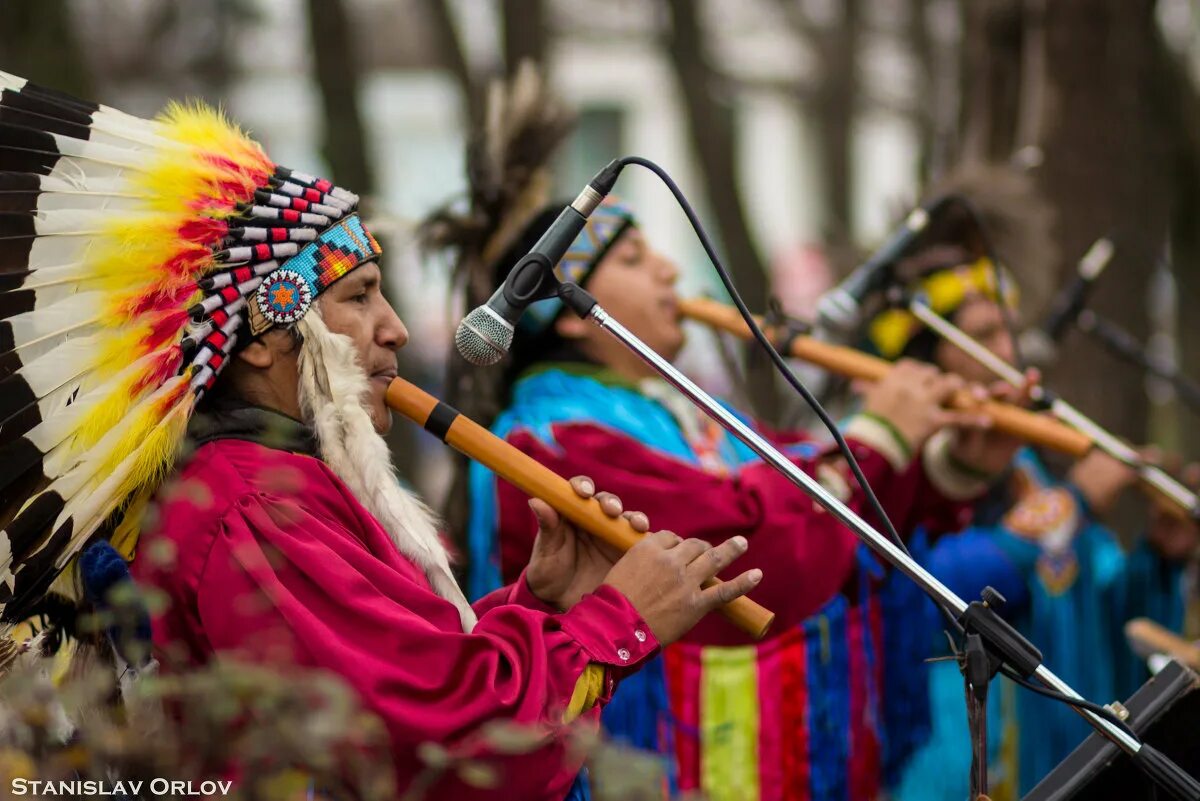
(729,720)
(587,690)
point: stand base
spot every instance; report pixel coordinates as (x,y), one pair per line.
(1164,713)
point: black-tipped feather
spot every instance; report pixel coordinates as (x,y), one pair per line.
(59,99)
(35,574)
(17,224)
(20,424)
(44,112)
(17,459)
(15,395)
(14,280)
(14,303)
(29,119)
(31,524)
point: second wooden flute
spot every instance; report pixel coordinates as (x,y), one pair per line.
(1037,429)
(535,479)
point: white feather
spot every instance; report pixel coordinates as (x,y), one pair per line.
(62,422)
(14,82)
(66,200)
(71,314)
(102,154)
(47,277)
(50,371)
(89,502)
(97,185)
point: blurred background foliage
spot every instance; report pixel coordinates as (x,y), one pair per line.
(802,128)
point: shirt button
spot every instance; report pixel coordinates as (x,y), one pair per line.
(641,635)
(623,654)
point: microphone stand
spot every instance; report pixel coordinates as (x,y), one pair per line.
(1121,343)
(1002,641)
(1153,475)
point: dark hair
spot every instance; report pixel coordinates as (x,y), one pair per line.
(923,345)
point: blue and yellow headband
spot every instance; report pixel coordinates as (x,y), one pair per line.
(603,228)
(944,291)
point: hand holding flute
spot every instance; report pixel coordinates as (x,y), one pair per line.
(1034,428)
(1030,426)
(661,575)
(673,579)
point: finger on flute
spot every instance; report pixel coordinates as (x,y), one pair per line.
(538,481)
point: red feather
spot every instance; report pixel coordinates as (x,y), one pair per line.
(204,231)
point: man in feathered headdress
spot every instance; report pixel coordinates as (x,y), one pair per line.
(164,281)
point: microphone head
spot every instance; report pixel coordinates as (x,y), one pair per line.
(483,337)
(838,312)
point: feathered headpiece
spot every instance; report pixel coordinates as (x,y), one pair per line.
(133,256)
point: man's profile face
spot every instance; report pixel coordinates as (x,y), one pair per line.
(355,307)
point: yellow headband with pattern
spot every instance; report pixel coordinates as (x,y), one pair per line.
(944,292)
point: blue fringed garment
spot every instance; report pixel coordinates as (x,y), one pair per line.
(797,716)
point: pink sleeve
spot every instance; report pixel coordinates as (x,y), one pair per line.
(516,593)
(805,555)
(916,490)
(283,587)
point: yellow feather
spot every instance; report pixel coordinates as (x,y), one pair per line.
(206,128)
(126,533)
(145,425)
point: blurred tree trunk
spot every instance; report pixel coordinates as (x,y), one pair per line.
(1075,81)
(922,48)
(1106,173)
(1180,99)
(38,42)
(992,78)
(711,121)
(338,75)
(454,60)
(1086,99)
(836,102)
(524,34)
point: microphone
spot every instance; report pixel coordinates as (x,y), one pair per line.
(1041,343)
(486,333)
(840,309)
(1073,297)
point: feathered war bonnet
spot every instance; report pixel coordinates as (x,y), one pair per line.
(134,255)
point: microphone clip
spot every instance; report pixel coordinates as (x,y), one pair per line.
(533,279)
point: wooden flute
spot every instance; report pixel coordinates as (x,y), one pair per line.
(1033,427)
(535,479)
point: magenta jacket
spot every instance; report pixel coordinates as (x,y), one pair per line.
(276,563)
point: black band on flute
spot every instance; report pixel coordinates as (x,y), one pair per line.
(440,420)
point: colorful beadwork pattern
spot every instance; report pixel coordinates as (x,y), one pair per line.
(286,294)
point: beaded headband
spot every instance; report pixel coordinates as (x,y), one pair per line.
(603,228)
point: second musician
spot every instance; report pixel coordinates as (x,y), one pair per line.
(800,710)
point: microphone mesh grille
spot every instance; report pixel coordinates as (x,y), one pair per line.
(483,337)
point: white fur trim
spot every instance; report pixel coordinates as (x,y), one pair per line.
(948,479)
(879,438)
(332,388)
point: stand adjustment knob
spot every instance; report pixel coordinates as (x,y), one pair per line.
(993,598)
